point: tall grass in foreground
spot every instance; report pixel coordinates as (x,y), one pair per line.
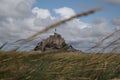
(110,44)
(59,66)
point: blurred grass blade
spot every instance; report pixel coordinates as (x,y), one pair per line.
(101,41)
(115,48)
(104,48)
(3,45)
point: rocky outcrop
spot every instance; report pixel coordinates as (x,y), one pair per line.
(53,43)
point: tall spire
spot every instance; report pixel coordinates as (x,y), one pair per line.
(55,30)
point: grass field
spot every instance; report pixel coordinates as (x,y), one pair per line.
(59,66)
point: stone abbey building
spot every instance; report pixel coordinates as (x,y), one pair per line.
(53,43)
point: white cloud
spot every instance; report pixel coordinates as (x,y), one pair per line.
(116,22)
(41,13)
(65,12)
(15,8)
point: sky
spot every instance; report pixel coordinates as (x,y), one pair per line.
(22,18)
(110,9)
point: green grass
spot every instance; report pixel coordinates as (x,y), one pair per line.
(59,66)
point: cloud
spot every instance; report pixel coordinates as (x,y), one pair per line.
(41,13)
(15,8)
(65,12)
(14,16)
(116,22)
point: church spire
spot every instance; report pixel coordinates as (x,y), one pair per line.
(55,30)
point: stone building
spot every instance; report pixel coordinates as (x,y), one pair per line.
(53,43)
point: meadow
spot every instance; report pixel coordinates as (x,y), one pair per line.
(59,66)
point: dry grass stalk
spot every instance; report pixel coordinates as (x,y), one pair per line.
(15,50)
(6,60)
(104,48)
(115,48)
(101,41)
(3,45)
